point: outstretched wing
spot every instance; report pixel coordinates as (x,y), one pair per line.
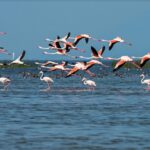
(143,61)
(94,51)
(119,64)
(101,51)
(72,71)
(112,43)
(22,55)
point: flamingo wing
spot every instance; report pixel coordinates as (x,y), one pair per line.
(94,51)
(72,71)
(22,55)
(119,64)
(101,51)
(68,35)
(78,38)
(143,61)
(112,43)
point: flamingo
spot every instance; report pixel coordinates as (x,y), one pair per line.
(56,43)
(122,61)
(90,83)
(82,36)
(146,81)
(60,52)
(144,59)
(95,54)
(48,80)
(19,59)
(85,66)
(46,63)
(5,81)
(58,66)
(114,41)
(78,66)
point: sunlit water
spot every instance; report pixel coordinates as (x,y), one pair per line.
(116,115)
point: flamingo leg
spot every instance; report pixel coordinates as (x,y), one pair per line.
(90,73)
(6,86)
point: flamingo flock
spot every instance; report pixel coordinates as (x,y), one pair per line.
(64,45)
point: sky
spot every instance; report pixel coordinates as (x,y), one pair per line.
(28,23)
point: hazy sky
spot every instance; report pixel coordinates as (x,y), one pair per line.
(28,23)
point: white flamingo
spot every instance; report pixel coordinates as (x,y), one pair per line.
(90,83)
(146,81)
(5,81)
(19,59)
(48,80)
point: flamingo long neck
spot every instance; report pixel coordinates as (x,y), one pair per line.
(104,40)
(110,58)
(142,79)
(47,53)
(40,47)
(136,57)
(85,57)
(41,77)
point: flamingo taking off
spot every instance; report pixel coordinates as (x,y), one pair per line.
(19,59)
(90,83)
(48,80)
(122,61)
(146,81)
(114,41)
(5,81)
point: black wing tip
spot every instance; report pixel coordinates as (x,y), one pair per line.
(86,40)
(103,48)
(141,65)
(92,47)
(67,76)
(110,48)
(115,70)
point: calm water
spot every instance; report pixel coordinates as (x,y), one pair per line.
(116,115)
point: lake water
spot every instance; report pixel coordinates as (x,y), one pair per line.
(116,115)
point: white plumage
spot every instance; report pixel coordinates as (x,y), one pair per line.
(48,80)
(146,81)
(90,83)
(5,81)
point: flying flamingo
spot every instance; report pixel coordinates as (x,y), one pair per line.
(90,83)
(144,59)
(78,66)
(114,41)
(122,61)
(5,81)
(95,54)
(19,59)
(48,80)
(58,66)
(46,63)
(85,66)
(60,52)
(82,36)
(146,81)
(58,40)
